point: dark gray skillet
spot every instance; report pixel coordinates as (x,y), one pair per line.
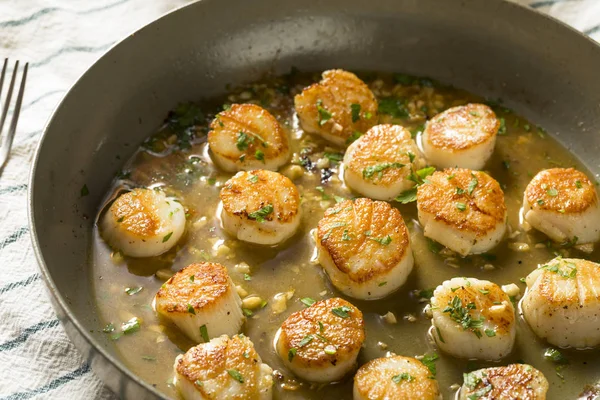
(540,67)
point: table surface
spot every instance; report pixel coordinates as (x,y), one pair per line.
(61,39)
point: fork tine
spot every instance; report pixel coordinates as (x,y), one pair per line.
(6,142)
(2,75)
(8,96)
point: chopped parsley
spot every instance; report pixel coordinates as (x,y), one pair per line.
(411,156)
(378,169)
(462,315)
(578,184)
(552,192)
(355,109)
(480,393)
(247,312)
(383,240)
(490,332)
(307,301)
(473,184)
(324,115)
(394,107)
(204,333)
(253,178)
(235,374)
(131,326)
(342,311)
(502,128)
(260,214)
(440,335)
(425,293)
(541,202)
(564,269)
(259,155)
(305,340)
(433,246)
(243,141)
(190,309)
(382,284)
(460,190)
(355,135)
(84,191)
(291,354)
(408,196)
(429,361)
(321,326)
(133,290)
(333,157)
(167,237)
(247,277)
(471,380)
(109,328)
(405,376)
(346,236)
(461,206)
(555,356)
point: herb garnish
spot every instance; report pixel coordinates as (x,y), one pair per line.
(260,214)
(235,374)
(342,311)
(355,109)
(462,315)
(204,333)
(167,237)
(324,115)
(379,168)
(405,376)
(307,301)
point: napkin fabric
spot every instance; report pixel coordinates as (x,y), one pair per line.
(61,39)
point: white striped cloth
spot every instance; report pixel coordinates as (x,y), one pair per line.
(61,39)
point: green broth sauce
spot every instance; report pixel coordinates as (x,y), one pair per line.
(177,159)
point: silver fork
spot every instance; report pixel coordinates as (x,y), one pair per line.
(6,140)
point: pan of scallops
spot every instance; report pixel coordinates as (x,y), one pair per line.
(330,200)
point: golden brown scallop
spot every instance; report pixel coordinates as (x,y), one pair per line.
(202,301)
(364,247)
(321,343)
(260,207)
(563,204)
(379,163)
(462,136)
(462,209)
(514,381)
(395,377)
(337,107)
(473,318)
(222,369)
(246,137)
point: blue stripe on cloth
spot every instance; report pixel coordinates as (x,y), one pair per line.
(47,94)
(22,338)
(592,30)
(71,49)
(56,383)
(13,237)
(25,282)
(540,4)
(45,11)
(13,189)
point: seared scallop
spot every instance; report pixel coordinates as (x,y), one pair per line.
(321,343)
(473,318)
(562,302)
(337,108)
(514,381)
(364,247)
(462,136)
(143,223)
(563,204)
(222,369)
(463,210)
(379,163)
(395,377)
(202,301)
(261,207)
(246,137)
